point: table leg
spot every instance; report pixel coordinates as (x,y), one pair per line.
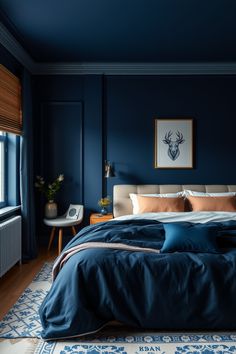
(60,241)
(51,237)
(73,230)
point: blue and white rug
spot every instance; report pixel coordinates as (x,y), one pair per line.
(20,333)
(23,319)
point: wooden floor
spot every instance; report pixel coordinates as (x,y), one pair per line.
(13,283)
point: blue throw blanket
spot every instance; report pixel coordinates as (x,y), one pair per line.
(179,290)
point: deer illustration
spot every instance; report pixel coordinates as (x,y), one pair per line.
(173,150)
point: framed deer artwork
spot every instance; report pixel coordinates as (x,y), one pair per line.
(173,143)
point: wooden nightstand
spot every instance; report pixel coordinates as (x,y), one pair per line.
(96,217)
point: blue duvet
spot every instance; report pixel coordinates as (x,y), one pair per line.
(171,291)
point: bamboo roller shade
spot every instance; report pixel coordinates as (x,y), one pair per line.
(10,102)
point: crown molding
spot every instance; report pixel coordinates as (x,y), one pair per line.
(15,48)
(36,68)
(135,69)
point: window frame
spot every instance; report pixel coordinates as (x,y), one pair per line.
(3,138)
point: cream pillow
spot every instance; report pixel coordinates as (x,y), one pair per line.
(134,199)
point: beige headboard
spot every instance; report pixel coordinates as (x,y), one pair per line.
(122,203)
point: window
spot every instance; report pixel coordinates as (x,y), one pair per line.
(3,168)
(10,130)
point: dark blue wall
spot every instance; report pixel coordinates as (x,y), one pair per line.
(63,140)
(132,104)
(118,125)
(83,171)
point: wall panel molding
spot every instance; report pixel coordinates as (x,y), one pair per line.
(80,68)
(68,155)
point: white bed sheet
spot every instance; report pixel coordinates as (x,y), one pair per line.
(192,216)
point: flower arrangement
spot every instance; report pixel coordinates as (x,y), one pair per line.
(50,189)
(104,202)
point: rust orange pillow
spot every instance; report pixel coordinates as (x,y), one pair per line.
(212,203)
(156,204)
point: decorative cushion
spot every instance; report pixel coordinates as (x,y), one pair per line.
(190,238)
(146,204)
(212,203)
(135,203)
(202,194)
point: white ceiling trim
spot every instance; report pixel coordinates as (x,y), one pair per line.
(36,68)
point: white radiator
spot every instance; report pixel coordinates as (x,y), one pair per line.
(10,243)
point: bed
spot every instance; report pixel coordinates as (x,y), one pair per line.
(117,271)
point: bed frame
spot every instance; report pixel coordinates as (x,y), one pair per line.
(122,203)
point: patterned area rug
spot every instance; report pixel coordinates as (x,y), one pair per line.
(20,333)
(23,319)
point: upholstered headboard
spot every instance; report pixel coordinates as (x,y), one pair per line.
(122,203)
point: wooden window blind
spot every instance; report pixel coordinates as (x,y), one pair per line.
(10,102)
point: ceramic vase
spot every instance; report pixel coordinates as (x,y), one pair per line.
(50,210)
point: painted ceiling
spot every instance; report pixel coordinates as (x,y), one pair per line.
(124,30)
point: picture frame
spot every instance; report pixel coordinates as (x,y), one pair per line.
(173,143)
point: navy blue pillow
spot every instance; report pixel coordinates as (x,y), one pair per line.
(190,238)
